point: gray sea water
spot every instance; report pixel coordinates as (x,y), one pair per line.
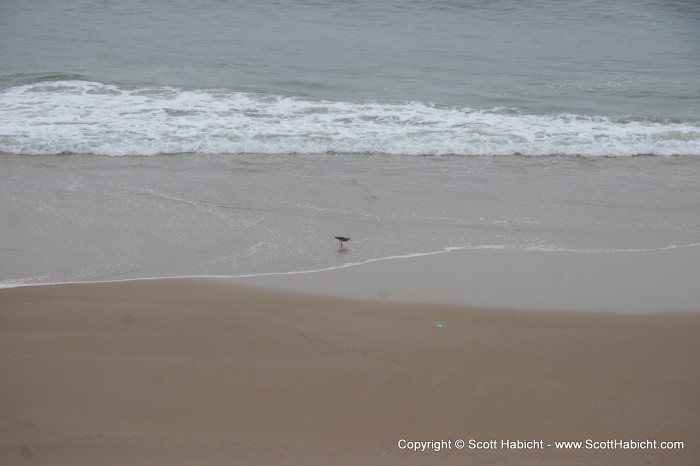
(404,77)
(212,137)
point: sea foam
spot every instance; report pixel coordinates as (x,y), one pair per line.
(94,118)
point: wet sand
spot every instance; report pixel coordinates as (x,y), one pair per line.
(208,372)
(629,282)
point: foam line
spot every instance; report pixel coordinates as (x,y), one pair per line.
(11,284)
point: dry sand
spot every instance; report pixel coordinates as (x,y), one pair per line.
(168,372)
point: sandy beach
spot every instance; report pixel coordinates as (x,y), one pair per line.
(195,371)
(565,287)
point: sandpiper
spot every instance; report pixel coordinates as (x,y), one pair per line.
(342,239)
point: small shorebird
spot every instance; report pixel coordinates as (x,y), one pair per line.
(342,239)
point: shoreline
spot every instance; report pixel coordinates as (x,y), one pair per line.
(606,281)
(198,370)
(149,217)
(627,282)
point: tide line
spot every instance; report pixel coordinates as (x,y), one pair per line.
(502,247)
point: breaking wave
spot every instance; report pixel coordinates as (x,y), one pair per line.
(73,116)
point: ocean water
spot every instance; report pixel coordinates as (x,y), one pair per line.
(213,137)
(397,77)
